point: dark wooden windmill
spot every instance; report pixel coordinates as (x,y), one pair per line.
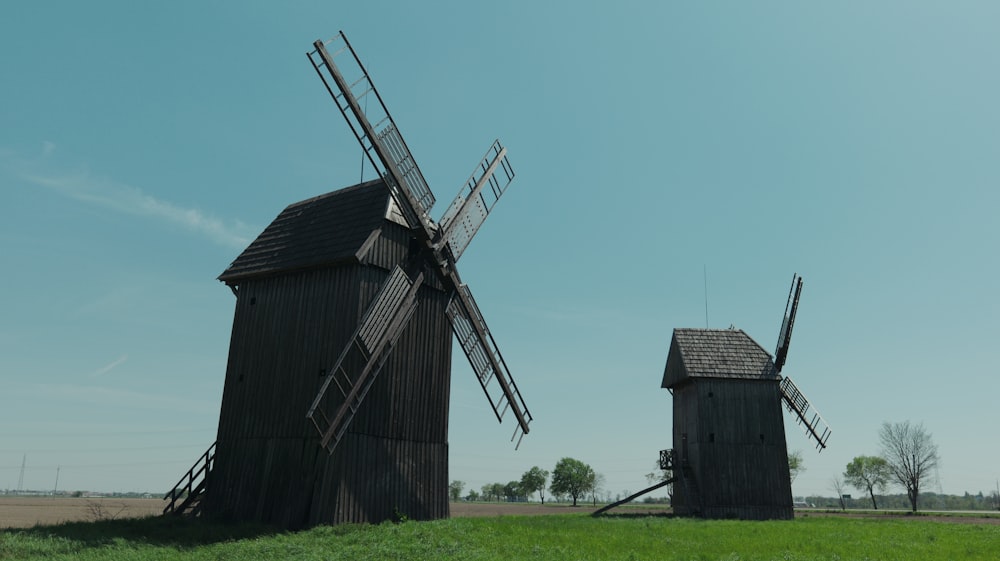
(336,400)
(729,457)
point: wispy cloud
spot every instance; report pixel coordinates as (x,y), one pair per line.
(117,398)
(82,185)
(108,368)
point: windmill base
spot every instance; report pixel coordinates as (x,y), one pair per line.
(740,512)
(294,483)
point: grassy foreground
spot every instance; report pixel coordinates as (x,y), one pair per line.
(514,537)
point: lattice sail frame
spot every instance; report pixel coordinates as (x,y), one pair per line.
(474,202)
(370,346)
(805,414)
(374,128)
(385,149)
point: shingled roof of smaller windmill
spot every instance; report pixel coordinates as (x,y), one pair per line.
(320,231)
(716,353)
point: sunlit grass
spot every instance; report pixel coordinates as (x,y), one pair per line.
(553,537)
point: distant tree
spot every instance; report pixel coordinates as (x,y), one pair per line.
(473,495)
(911,454)
(534,480)
(837,484)
(492,491)
(597,487)
(455,489)
(867,473)
(796,465)
(496,489)
(512,490)
(572,477)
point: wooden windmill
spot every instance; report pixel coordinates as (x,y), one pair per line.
(730,458)
(335,407)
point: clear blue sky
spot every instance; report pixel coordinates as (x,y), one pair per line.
(142,146)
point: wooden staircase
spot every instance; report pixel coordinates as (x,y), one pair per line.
(186,497)
(684,480)
(689,486)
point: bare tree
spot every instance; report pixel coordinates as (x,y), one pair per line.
(838,487)
(656,476)
(597,486)
(97,510)
(911,454)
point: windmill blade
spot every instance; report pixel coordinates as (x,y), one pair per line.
(362,359)
(474,201)
(478,345)
(806,414)
(788,322)
(375,129)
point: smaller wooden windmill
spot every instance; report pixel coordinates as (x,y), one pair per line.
(730,458)
(336,400)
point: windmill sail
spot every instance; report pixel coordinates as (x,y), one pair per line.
(806,414)
(788,322)
(488,182)
(374,129)
(478,345)
(362,360)
(379,137)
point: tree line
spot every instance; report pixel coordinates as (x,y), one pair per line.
(908,458)
(900,501)
(571,479)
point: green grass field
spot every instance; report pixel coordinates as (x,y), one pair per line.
(556,537)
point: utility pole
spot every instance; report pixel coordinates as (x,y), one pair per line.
(20,479)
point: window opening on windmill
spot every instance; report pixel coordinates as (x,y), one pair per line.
(415,247)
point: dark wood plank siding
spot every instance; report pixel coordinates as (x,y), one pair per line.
(293,483)
(287,330)
(410,399)
(736,445)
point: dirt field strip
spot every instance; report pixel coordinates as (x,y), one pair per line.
(25,512)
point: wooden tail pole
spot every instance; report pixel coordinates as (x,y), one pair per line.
(633,496)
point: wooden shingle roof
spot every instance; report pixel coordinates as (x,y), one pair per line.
(320,231)
(716,353)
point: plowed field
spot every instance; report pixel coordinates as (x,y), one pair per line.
(25,512)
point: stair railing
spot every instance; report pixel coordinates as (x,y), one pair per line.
(191,484)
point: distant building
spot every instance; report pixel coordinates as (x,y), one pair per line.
(730,455)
